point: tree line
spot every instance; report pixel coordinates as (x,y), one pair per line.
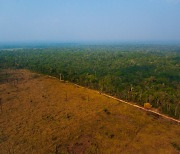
(141,75)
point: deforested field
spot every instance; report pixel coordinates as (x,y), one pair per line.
(39,114)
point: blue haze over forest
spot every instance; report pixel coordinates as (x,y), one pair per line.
(89,21)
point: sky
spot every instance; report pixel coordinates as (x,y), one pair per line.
(89,20)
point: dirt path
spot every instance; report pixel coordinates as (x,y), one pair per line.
(134,105)
(162,115)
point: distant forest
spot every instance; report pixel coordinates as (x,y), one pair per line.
(136,73)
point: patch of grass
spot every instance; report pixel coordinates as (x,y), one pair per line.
(3,138)
(34,76)
(3,77)
(176,146)
(107,111)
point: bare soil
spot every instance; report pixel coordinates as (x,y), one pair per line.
(39,114)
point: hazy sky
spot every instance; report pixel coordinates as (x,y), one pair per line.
(89,20)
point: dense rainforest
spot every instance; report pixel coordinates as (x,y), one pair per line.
(134,73)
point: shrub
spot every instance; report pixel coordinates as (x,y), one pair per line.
(147,106)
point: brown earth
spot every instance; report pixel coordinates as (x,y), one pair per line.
(39,114)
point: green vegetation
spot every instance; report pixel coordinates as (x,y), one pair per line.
(134,73)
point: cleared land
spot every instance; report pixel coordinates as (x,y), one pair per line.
(39,114)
